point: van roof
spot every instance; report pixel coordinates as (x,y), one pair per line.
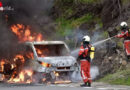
(45,42)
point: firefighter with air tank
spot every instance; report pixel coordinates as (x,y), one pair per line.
(86,54)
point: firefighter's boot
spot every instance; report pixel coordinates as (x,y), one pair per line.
(88,84)
(84,85)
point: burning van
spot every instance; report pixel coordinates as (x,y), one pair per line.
(51,57)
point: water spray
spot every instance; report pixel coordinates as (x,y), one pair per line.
(75,52)
(102,41)
(94,69)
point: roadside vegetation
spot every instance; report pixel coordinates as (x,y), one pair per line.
(67,21)
(121,77)
(67,25)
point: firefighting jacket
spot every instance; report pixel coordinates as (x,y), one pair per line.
(84,52)
(125,35)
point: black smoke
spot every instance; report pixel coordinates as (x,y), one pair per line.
(28,12)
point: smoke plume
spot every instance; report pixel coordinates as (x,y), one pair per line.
(76,76)
(102,47)
(34,13)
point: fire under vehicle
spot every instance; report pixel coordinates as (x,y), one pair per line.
(52,58)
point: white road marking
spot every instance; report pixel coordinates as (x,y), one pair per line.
(112,88)
(62,85)
(102,88)
(87,87)
(52,85)
(71,86)
(99,88)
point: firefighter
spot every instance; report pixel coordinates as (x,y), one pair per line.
(84,57)
(126,35)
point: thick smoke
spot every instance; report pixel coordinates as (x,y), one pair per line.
(101,47)
(95,37)
(7,41)
(28,12)
(94,72)
(76,76)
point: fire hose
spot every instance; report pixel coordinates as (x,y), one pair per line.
(102,41)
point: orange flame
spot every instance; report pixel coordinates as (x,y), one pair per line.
(39,51)
(56,74)
(24,33)
(65,82)
(42,52)
(19,57)
(45,64)
(2,65)
(2,62)
(30,55)
(2,78)
(22,77)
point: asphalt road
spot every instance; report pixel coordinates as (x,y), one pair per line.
(71,86)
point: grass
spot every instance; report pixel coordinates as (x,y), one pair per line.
(120,44)
(105,34)
(86,18)
(69,12)
(65,25)
(119,78)
(125,1)
(68,8)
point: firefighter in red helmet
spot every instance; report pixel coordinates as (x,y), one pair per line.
(126,35)
(84,57)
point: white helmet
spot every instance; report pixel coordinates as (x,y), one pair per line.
(86,38)
(123,24)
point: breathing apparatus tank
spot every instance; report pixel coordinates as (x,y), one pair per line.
(92,51)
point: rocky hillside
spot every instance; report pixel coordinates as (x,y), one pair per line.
(98,18)
(87,13)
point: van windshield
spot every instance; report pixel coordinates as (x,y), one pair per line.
(51,50)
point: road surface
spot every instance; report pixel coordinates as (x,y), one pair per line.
(71,86)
